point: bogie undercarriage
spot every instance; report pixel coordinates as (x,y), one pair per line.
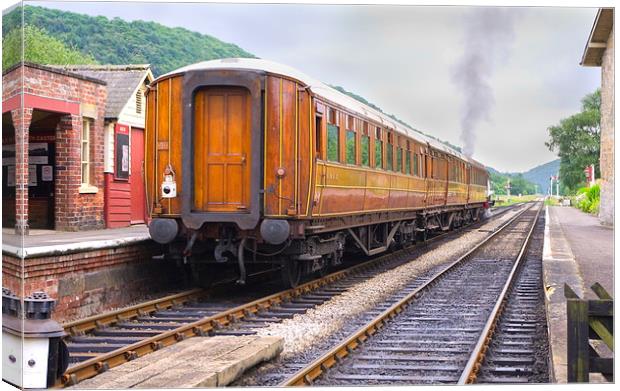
(244,253)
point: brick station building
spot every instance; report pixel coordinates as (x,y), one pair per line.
(599,52)
(69,162)
(46,113)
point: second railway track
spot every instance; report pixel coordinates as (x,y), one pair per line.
(441,331)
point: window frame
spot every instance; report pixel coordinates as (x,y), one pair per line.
(85,164)
(379,148)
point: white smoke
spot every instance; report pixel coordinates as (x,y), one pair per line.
(489,33)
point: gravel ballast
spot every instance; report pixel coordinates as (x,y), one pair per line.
(308,335)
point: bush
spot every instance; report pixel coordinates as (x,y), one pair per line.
(589,199)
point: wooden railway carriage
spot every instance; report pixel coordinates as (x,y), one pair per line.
(251,160)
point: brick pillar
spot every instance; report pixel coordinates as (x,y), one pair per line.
(68,137)
(21,121)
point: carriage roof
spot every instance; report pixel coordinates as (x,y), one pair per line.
(322,90)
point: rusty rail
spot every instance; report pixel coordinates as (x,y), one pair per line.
(105,361)
(85,325)
(306,375)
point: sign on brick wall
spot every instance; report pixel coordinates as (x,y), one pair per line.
(121,152)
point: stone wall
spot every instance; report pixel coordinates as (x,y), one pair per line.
(606,211)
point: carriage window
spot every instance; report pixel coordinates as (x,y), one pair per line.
(399,159)
(415,165)
(365,151)
(378,149)
(333,142)
(408,162)
(318,126)
(350,151)
(390,153)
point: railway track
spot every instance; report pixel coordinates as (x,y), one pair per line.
(441,329)
(516,354)
(101,342)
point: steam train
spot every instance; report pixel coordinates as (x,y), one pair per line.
(254,164)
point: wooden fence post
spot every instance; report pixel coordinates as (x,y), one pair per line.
(585,320)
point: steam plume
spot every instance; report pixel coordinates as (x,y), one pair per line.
(488,35)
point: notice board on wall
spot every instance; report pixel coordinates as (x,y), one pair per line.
(121,152)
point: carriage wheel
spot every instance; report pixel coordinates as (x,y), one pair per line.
(291,273)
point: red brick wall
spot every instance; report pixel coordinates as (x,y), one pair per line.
(90,282)
(74,211)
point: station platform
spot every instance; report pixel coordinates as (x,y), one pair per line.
(87,272)
(48,242)
(578,251)
(196,362)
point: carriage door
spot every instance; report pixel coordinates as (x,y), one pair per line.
(222,150)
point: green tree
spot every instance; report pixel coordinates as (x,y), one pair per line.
(116,41)
(577,140)
(39,48)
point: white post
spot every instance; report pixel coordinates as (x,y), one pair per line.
(550,191)
(557,186)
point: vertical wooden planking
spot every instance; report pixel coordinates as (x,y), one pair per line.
(150,150)
(296,152)
(305,152)
(176,139)
(272,145)
(287,146)
(163,115)
(199,151)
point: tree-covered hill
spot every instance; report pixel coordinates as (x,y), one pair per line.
(540,174)
(116,41)
(40,48)
(525,182)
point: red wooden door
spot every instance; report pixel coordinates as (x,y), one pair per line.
(136,178)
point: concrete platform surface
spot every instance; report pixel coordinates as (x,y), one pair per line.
(195,362)
(47,242)
(577,251)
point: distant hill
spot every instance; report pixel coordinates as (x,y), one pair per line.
(116,41)
(540,174)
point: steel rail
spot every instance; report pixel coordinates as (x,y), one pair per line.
(308,374)
(79,327)
(93,366)
(470,373)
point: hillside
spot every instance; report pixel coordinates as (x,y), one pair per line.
(540,174)
(523,182)
(116,41)
(40,48)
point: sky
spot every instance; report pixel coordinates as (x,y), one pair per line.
(503,74)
